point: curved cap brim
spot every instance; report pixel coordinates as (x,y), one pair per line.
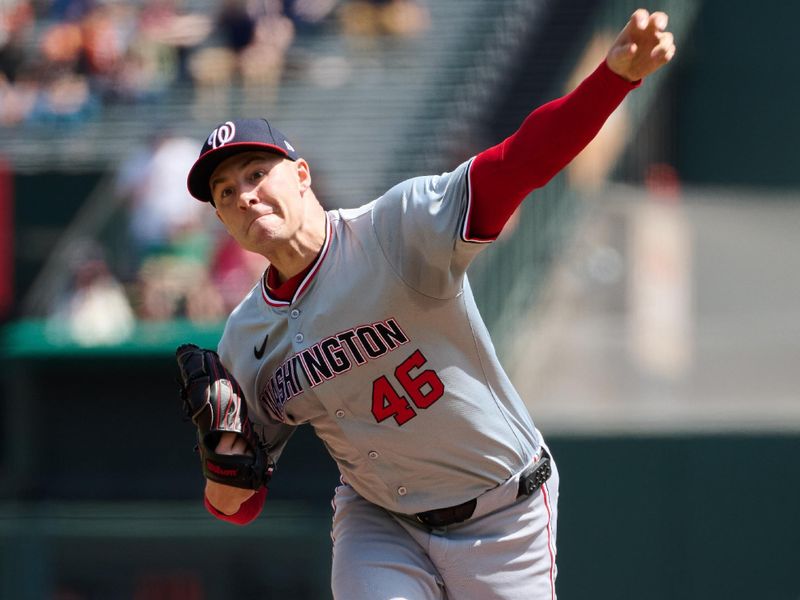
(200,173)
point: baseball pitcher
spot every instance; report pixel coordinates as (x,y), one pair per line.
(364,327)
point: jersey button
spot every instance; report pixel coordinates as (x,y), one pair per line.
(372,454)
(295,313)
(402,491)
(340,413)
(298,338)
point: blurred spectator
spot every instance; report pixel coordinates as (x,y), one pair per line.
(235,25)
(87,53)
(141,75)
(308,15)
(98,311)
(94,310)
(65,98)
(372,18)
(172,237)
(235,271)
(248,45)
(15,27)
(234,30)
(164,285)
(84,54)
(17,100)
(171,35)
(153,182)
(105,34)
(203,301)
(212,67)
(178,283)
(69,10)
(263,61)
(65,94)
(61,45)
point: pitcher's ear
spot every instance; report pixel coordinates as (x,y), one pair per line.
(304,173)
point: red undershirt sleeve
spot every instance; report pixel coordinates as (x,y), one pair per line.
(247,512)
(549,138)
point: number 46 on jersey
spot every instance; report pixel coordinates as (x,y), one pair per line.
(421,387)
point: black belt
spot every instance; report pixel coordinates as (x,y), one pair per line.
(530,481)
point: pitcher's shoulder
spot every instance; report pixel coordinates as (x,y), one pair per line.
(343,216)
(249,311)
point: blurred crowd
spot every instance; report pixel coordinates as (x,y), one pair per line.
(64,60)
(164,256)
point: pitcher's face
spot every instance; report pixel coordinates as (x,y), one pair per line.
(259,197)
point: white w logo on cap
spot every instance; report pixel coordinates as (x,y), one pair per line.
(222,135)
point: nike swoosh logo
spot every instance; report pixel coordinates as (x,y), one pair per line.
(259,352)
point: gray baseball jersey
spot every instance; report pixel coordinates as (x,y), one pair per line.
(383,352)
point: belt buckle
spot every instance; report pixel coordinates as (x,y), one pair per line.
(422,518)
(431,519)
(444,517)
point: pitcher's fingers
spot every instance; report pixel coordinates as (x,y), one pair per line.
(659,20)
(226,443)
(240,446)
(232,443)
(666,39)
(638,21)
(665,45)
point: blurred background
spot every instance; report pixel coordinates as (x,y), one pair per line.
(646,302)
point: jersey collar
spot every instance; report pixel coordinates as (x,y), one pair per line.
(271,300)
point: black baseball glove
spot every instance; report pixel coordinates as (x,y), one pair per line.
(213,400)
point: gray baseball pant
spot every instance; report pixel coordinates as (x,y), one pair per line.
(506,551)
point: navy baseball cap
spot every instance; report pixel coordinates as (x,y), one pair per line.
(230,138)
